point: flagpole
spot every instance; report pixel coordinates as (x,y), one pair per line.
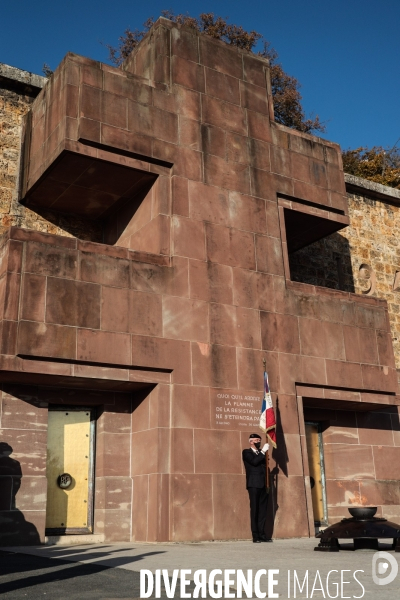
(266,441)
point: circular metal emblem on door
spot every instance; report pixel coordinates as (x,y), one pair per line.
(64,481)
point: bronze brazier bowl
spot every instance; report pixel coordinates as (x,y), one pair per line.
(363,528)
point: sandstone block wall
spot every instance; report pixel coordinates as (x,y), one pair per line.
(372,475)
(372,239)
(23,450)
(195,290)
(18,90)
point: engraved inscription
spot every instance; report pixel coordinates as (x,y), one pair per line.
(235,410)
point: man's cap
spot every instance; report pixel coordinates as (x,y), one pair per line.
(254,435)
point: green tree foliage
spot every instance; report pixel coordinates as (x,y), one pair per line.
(285,88)
(375,164)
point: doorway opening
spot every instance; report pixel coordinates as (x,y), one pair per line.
(315,451)
(70,470)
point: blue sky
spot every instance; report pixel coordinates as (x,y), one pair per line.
(346,54)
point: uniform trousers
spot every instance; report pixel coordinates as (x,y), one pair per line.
(258,510)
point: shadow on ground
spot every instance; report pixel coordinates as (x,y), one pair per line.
(27,576)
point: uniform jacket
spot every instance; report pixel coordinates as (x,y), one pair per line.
(255,465)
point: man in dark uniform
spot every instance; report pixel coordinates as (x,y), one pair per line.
(255,465)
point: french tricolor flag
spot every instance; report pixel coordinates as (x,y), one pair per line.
(267,418)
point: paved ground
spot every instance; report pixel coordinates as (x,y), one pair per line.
(111,571)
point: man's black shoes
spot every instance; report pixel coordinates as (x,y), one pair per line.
(265,539)
(256,541)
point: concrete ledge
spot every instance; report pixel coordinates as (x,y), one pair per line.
(73,540)
(364,187)
(19,78)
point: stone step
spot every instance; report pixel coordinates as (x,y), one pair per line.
(74,540)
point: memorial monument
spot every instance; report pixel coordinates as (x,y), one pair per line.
(146,281)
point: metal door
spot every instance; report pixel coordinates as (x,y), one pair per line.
(317,473)
(69,471)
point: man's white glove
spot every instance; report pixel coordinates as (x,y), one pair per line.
(265,448)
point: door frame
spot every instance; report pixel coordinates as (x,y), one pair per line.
(91,478)
(324,522)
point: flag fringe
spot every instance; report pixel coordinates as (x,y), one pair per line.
(271,441)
